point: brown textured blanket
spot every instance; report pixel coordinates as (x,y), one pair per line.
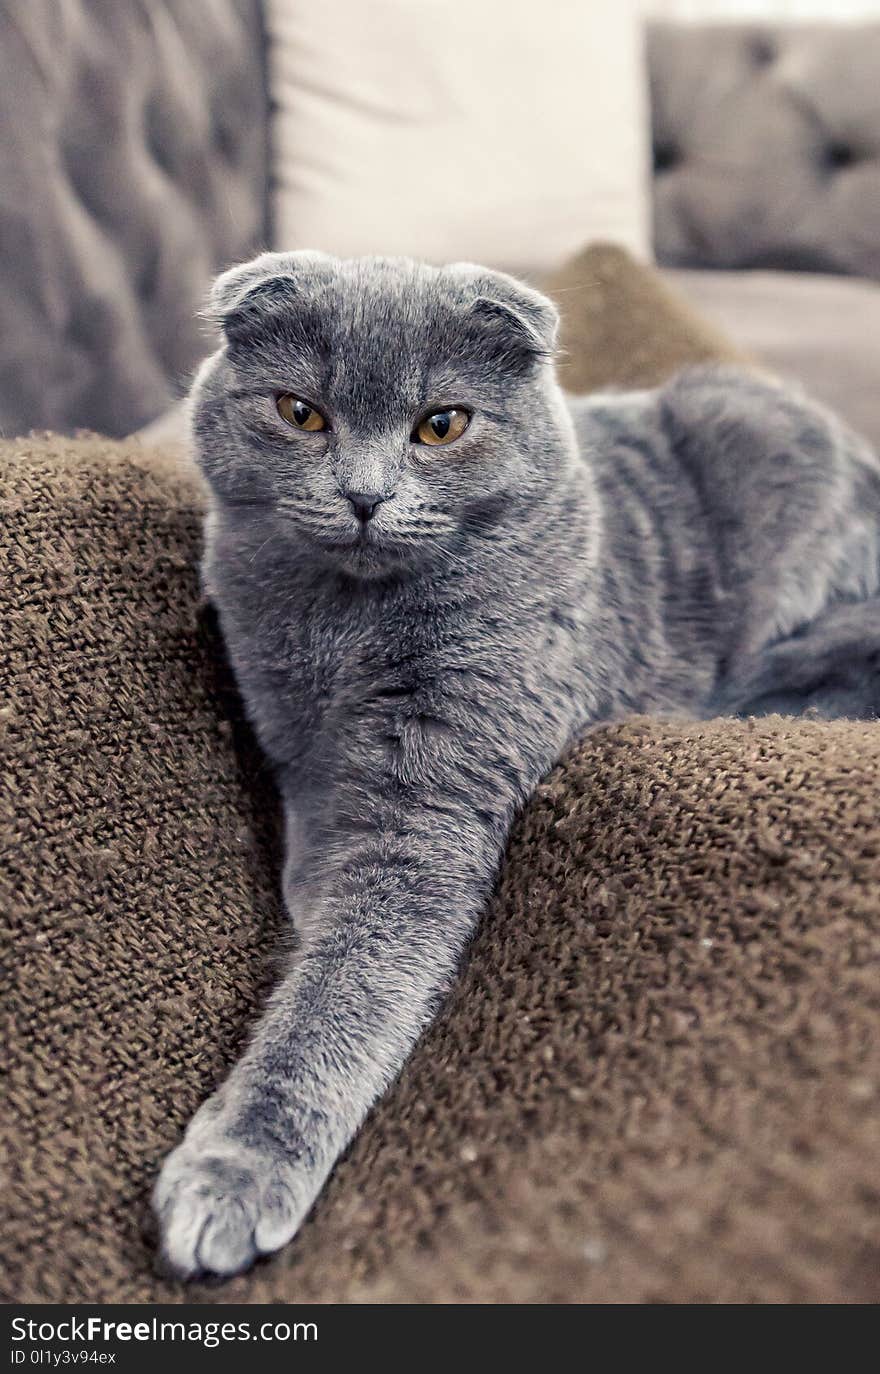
(659,1077)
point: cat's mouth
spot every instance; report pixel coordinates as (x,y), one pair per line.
(363,538)
(341,540)
(365,552)
(366,549)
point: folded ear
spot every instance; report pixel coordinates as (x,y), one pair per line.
(520,321)
(244,300)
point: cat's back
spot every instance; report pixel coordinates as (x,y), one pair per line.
(779,494)
(736,434)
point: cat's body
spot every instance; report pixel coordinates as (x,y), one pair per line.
(414,673)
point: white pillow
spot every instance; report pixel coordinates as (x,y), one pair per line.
(508,132)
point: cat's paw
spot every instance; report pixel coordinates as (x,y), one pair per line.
(221,1204)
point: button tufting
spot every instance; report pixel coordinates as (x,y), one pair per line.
(839,155)
(666,155)
(763,51)
(788,119)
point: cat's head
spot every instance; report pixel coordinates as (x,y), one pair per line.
(380,413)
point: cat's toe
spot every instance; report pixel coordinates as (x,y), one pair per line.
(217,1212)
(280,1213)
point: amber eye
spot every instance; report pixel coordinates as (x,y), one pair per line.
(443,427)
(300,414)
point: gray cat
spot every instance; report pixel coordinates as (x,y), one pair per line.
(432,573)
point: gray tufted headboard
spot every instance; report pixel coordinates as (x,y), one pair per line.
(767,146)
(133,163)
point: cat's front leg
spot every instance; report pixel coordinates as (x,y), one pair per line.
(337,1031)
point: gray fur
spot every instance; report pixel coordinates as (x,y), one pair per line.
(559,565)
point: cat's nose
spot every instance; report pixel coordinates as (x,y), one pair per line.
(365,503)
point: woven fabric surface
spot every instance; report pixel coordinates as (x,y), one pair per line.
(658,1078)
